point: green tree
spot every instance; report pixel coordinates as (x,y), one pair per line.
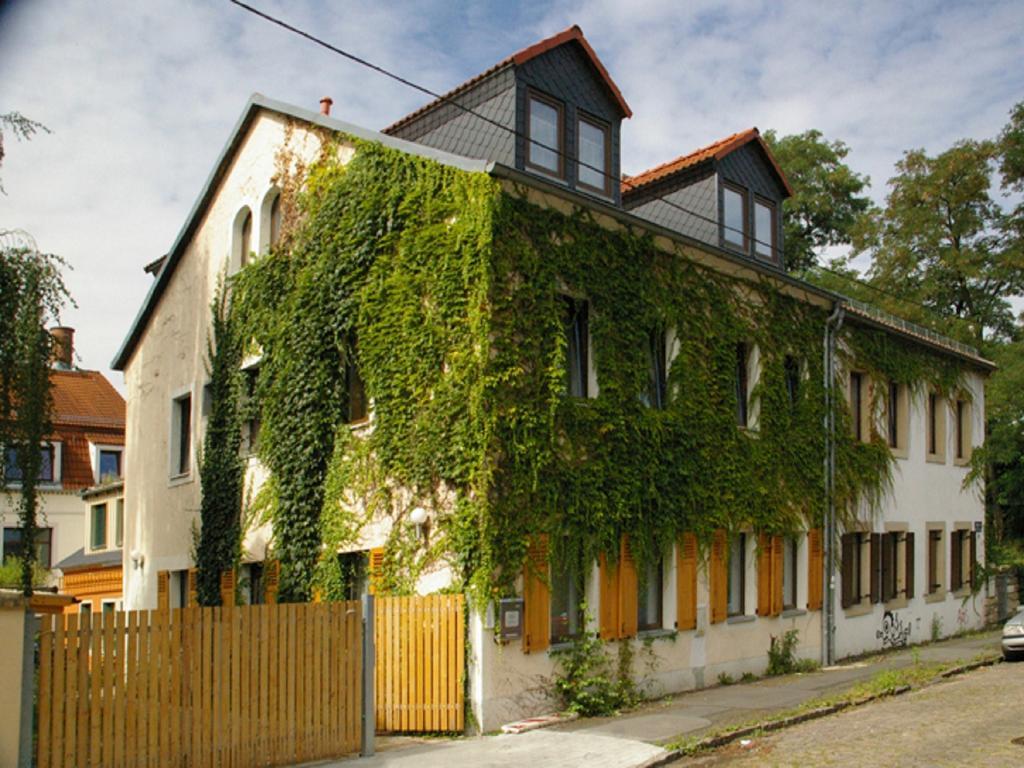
(942,240)
(828,197)
(32,293)
(221,469)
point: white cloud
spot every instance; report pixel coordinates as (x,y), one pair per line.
(141,96)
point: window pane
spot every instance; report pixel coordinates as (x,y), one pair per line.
(544,135)
(576,363)
(46,464)
(654,396)
(593,151)
(119,523)
(245,242)
(741,384)
(788,573)
(792,380)
(275,220)
(649,598)
(764,233)
(12,543)
(565,604)
(735,226)
(12,471)
(99,526)
(736,567)
(110,465)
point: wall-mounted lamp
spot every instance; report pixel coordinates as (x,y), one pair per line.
(418,517)
(138,559)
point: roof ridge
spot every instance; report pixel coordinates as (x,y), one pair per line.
(716,149)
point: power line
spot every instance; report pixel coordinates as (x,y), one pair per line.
(561,154)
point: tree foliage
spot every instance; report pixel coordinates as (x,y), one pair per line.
(32,294)
(828,197)
(221,467)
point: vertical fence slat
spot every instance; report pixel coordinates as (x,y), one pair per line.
(120,694)
(460,662)
(71,691)
(84,649)
(109,649)
(45,690)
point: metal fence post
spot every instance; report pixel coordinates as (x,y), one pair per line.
(369,660)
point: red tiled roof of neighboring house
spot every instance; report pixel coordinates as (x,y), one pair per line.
(520,58)
(714,151)
(86,399)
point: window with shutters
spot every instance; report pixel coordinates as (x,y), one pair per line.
(254,587)
(815,569)
(789,573)
(718,577)
(770,573)
(853,568)
(536,596)
(737,583)
(890,566)
(618,609)
(963,560)
(860,406)
(962,432)
(896,566)
(354,569)
(897,425)
(654,395)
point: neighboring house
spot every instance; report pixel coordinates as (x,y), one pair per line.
(85,449)
(546,126)
(93,574)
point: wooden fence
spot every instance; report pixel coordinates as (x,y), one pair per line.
(236,686)
(420,664)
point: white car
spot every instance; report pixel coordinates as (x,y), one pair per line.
(1013,636)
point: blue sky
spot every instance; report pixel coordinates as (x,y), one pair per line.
(140,96)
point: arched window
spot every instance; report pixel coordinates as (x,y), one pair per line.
(241,240)
(275,220)
(245,239)
(270,219)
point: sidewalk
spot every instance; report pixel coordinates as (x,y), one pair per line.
(637,737)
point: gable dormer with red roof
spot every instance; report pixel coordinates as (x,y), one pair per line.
(551,110)
(728,194)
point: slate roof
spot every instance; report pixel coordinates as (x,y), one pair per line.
(714,151)
(573,33)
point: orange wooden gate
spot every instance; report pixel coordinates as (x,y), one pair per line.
(235,686)
(420,663)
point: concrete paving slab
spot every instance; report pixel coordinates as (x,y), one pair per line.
(652,728)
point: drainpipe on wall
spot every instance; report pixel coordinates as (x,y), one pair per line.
(828,622)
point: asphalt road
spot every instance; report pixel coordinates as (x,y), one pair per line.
(970,720)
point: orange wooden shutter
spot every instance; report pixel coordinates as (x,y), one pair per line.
(193,587)
(686,582)
(815,570)
(628,591)
(375,570)
(271,580)
(163,591)
(609,599)
(764,575)
(227,588)
(718,578)
(777,562)
(536,596)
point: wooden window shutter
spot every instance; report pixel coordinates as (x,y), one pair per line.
(876,567)
(849,541)
(974,559)
(815,570)
(536,596)
(375,570)
(718,578)
(777,563)
(227,588)
(686,582)
(628,591)
(271,580)
(955,552)
(908,552)
(609,599)
(764,574)
(163,591)
(193,587)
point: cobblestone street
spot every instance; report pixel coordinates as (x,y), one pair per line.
(965,721)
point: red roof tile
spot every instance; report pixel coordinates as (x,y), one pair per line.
(86,398)
(520,58)
(714,151)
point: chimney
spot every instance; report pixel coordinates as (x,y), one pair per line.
(325,105)
(63,352)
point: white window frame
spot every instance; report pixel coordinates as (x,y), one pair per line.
(174,437)
(58,476)
(90,547)
(94,457)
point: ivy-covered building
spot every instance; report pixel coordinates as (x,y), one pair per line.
(479,358)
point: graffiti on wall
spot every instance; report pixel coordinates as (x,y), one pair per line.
(894,632)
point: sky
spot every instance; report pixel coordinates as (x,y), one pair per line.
(140,97)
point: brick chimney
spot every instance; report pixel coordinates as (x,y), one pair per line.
(325,105)
(63,352)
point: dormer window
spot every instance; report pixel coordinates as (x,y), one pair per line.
(593,140)
(764,229)
(734,216)
(544,142)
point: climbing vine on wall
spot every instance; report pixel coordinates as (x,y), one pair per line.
(444,288)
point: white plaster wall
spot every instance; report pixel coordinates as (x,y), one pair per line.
(924,492)
(169,360)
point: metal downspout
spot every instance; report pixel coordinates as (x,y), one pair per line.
(829,526)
